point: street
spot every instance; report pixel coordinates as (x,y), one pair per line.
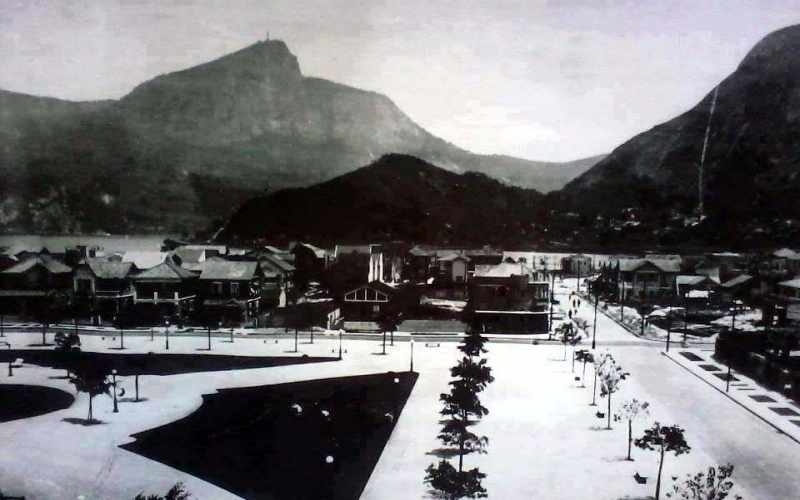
(767,463)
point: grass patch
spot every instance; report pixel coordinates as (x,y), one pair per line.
(25,401)
(254,443)
(158,363)
(762,398)
(690,356)
(785,412)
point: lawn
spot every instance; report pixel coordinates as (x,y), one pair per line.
(159,364)
(23,401)
(273,442)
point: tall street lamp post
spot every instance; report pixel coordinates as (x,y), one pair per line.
(114,384)
(341,331)
(10,364)
(411,368)
(166,330)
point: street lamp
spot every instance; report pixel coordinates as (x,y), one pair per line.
(10,369)
(166,329)
(411,368)
(341,331)
(396,399)
(114,383)
(2,332)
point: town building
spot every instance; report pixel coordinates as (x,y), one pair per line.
(509,298)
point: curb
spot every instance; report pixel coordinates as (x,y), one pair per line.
(760,417)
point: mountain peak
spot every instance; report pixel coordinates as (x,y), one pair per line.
(776,51)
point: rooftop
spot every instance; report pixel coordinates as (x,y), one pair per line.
(229,270)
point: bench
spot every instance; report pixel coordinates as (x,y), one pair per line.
(640,479)
(17,363)
(431,344)
(600,414)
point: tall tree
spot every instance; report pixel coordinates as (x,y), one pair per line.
(463,407)
(663,439)
(177,492)
(473,343)
(477,375)
(454,484)
(610,375)
(630,411)
(716,484)
(91,379)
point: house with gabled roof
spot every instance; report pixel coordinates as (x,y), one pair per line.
(29,285)
(368,302)
(509,298)
(646,278)
(170,289)
(103,287)
(232,290)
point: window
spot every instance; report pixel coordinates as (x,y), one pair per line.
(216,288)
(234,289)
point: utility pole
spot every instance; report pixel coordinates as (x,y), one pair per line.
(669,319)
(733,330)
(594,327)
(552,297)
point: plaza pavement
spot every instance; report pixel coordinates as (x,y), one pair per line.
(545,441)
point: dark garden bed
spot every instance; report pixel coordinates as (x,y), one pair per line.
(255,443)
(156,364)
(24,401)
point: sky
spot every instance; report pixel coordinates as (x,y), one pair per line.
(543,80)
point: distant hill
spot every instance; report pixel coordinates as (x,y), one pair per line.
(183,150)
(751,175)
(398,197)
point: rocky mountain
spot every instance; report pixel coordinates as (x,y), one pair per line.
(182,150)
(398,197)
(751,164)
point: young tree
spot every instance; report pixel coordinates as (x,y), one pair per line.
(610,375)
(453,484)
(140,364)
(574,341)
(566,334)
(663,439)
(177,492)
(584,356)
(388,322)
(473,342)
(68,345)
(91,379)
(716,484)
(630,411)
(598,361)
